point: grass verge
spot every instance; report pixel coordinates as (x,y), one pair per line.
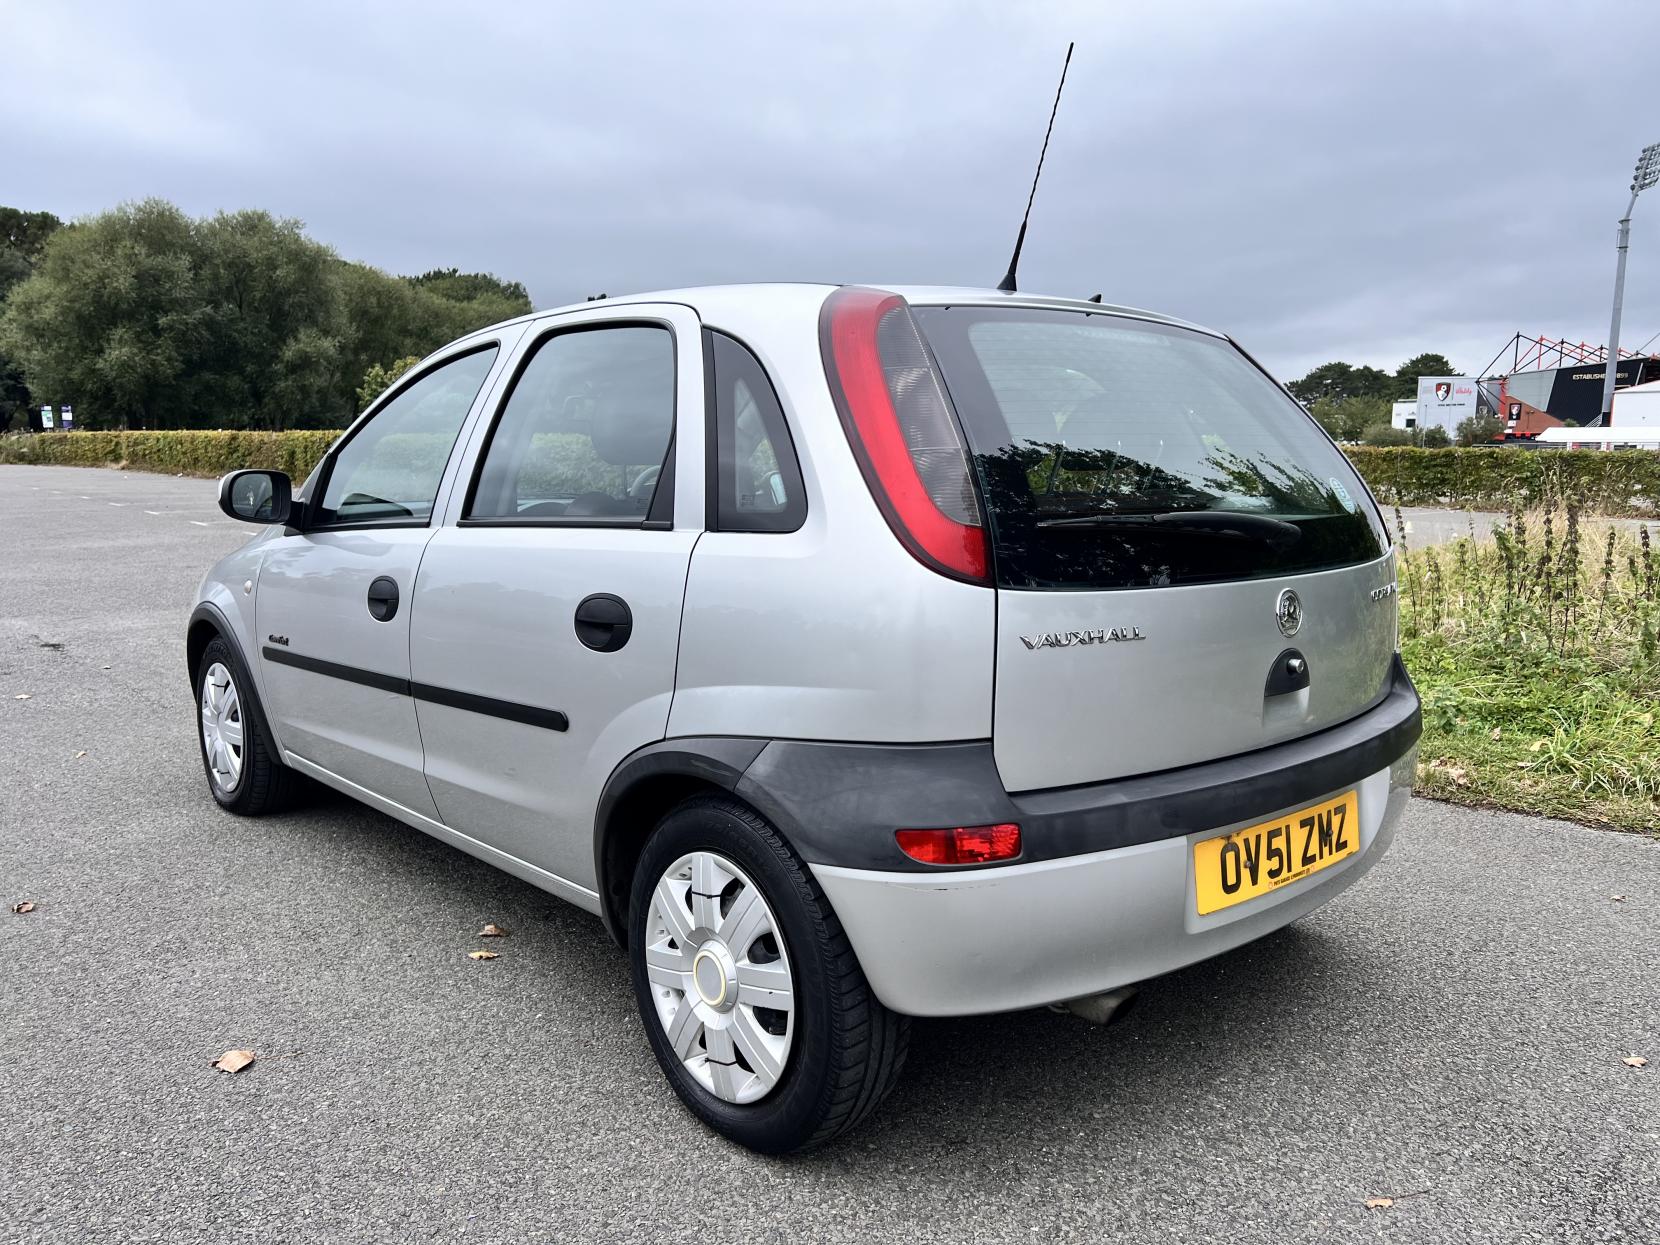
(1536,657)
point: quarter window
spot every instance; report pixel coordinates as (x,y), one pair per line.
(390,470)
(757,478)
(585,432)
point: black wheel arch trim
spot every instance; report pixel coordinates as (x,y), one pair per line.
(839,804)
(717,761)
(209,613)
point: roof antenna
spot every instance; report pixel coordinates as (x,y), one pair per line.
(1007,283)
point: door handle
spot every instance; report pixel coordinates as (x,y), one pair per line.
(604,622)
(383,598)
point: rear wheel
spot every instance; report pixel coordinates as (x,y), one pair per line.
(243,771)
(752,997)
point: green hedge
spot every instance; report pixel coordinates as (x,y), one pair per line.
(177,453)
(1619,482)
(1624,482)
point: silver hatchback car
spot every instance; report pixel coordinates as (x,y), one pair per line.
(854,654)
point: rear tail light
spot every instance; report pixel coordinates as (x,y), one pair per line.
(903,430)
(961,845)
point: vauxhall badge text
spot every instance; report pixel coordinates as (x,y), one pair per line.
(1066,639)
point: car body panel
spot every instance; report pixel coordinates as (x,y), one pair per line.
(312,605)
(1191,681)
(833,631)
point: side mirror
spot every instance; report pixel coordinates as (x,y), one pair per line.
(257,496)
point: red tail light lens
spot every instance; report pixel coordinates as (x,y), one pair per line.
(903,430)
(961,845)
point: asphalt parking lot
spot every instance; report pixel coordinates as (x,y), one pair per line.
(1449,1034)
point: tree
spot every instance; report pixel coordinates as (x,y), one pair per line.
(1337,381)
(1406,376)
(466,287)
(1347,419)
(23,237)
(1434,438)
(143,317)
(377,380)
(1479,429)
(268,356)
(1386,434)
(110,315)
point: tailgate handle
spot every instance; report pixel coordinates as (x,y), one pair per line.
(1289,673)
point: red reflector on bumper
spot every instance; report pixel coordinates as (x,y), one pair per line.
(961,845)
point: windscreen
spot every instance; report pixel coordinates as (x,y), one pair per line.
(1117,453)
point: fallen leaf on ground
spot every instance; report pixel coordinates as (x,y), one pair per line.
(1616,899)
(234,1060)
(1384,1203)
(1634,1061)
(482,955)
(1536,745)
(28,905)
(24,696)
(1496,733)
(492,931)
(80,754)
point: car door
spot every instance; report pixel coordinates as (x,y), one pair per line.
(332,609)
(547,609)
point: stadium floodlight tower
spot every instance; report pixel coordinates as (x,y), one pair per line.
(1648,172)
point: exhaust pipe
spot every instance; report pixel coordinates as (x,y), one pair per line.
(1106,1008)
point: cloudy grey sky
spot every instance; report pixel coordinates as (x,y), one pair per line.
(1324,180)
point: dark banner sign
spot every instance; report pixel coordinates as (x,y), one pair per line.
(1576,394)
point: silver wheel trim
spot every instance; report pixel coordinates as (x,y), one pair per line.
(222,727)
(715,956)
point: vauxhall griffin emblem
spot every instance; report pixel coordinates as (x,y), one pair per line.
(1288,611)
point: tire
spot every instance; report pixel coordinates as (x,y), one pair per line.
(842,1050)
(238,757)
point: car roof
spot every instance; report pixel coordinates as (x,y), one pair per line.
(714,300)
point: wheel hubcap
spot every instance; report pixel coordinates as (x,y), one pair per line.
(720,977)
(222,727)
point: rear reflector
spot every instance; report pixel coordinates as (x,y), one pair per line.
(903,431)
(961,845)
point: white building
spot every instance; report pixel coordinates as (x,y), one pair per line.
(1636,407)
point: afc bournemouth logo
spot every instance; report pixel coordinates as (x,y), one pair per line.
(1443,390)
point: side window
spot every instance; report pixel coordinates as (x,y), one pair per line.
(757,478)
(391,469)
(585,431)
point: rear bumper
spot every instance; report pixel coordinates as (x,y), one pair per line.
(954,943)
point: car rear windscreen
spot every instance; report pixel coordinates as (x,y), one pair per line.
(1119,453)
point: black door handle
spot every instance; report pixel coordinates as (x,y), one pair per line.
(604,622)
(383,598)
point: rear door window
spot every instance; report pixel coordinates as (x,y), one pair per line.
(1116,453)
(585,432)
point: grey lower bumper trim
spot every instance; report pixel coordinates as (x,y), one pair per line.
(839,804)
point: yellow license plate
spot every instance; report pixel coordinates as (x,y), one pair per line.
(1232,868)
